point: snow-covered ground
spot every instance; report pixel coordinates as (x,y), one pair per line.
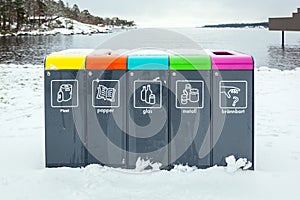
(23,176)
(70,27)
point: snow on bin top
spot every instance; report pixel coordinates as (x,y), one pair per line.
(230,60)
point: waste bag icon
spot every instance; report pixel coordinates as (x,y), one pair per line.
(64,93)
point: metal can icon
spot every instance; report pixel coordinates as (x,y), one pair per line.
(194,95)
(190,95)
(184,98)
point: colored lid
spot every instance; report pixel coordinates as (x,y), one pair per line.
(71,59)
(190,62)
(106,61)
(75,59)
(230,60)
(148,62)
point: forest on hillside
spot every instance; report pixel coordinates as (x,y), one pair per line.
(26,15)
(239,25)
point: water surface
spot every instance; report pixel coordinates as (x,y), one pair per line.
(263,45)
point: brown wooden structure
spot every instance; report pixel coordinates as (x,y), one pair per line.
(285,24)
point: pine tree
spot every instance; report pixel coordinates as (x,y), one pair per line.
(60,8)
(19,13)
(10,11)
(1,13)
(75,11)
(41,7)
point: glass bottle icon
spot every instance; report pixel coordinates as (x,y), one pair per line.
(148,93)
(143,94)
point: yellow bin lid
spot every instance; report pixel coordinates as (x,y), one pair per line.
(71,59)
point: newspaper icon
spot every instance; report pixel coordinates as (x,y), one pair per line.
(105,93)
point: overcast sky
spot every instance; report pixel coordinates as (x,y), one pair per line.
(178,13)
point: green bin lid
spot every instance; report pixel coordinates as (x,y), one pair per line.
(190,62)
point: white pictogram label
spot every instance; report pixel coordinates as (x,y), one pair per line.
(147,94)
(233,94)
(106,93)
(189,94)
(64,93)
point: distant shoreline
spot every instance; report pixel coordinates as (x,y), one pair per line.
(238,25)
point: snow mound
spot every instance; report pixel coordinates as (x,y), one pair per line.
(234,165)
(183,169)
(142,165)
(68,27)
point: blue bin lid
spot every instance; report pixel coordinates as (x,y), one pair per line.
(148,62)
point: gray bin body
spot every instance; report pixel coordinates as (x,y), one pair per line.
(190,122)
(233,122)
(106,117)
(147,122)
(64,106)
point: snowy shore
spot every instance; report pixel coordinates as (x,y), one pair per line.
(23,176)
(69,27)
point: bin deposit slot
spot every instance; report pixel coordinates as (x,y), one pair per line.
(222,53)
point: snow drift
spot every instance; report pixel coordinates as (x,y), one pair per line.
(23,176)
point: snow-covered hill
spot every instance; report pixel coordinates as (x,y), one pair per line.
(23,176)
(67,26)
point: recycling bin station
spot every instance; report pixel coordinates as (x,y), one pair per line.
(113,108)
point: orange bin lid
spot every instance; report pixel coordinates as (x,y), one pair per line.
(106,61)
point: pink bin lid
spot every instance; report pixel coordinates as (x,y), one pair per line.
(230,60)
